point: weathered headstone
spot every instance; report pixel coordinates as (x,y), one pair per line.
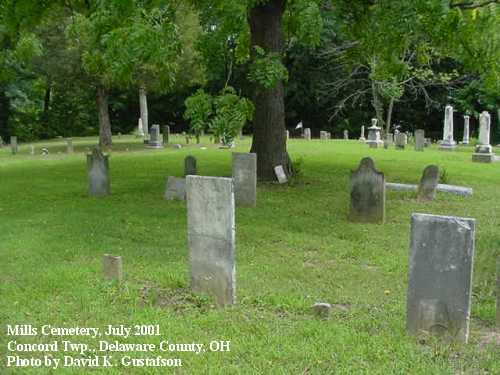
(166,134)
(362,136)
(440,275)
(69,146)
(112,267)
(483,151)
(245,179)
(307,134)
(322,309)
(400,141)
(140,128)
(155,140)
(45,151)
(32,150)
(346,134)
(98,173)
(287,135)
(419,140)
(280,174)
(465,139)
(389,140)
(176,189)
(211,237)
(190,165)
(448,142)
(323,135)
(428,183)
(13,145)
(367,193)
(374,140)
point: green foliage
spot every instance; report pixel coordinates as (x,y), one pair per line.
(267,69)
(198,111)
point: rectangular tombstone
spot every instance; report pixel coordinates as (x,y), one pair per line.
(166,134)
(98,173)
(280,174)
(323,135)
(307,134)
(69,146)
(13,145)
(367,193)
(245,179)
(440,276)
(211,237)
(419,140)
(155,139)
(400,140)
(176,189)
(112,266)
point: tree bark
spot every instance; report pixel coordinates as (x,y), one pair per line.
(388,121)
(378,106)
(104,123)
(143,104)
(46,108)
(269,140)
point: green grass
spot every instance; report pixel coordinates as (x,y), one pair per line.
(294,249)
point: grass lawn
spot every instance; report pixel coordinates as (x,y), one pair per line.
(294,249)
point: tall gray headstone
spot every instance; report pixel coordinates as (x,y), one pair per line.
(367,193)
(155,140)
(176,189)
(13,145)
(211,237)
(69,146)
(448,142)
(419,140)
(400,140)
(346,134)
(307,134)
(440,275)
(362,138)
(483,151)
(465,139)
(98,173)
(166,134)
(190,165)
(245,179)
(428,183)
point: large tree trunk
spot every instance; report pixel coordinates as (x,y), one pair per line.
(269,140)
(388,121)
(378,106)
(104,123)
(4,115)
(46,108)
(143,104)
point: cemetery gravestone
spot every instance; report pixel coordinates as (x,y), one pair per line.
(323,135)
(176,189)
(367,193)
(211,237)
(280,174)
(428,183)
(448,143)
(374,140)
(98,173)
(307,134)
(419,140)
(287,135)
(465,139)
(346,134)
(69,146)
(190,166)
(401,141)
(140,128)
(13,145)
(362,136)
(166,134)
(483,151)
(32,150)
(113,269)
(389,140)
(245,179)
(155,140)
(440,275)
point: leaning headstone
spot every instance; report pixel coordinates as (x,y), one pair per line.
(13,145)
(483,151)
(367,193)
(245,179)
(166,134)
(448,143)
(307,134)
(69,146)
(190,165)
(362,136)
(112,267)
(346,134)
(440,276)
(400,141)
(428,183)
(419,140)
(280,174)
(176,189)
(211,237)
(155,140)
(98,173)
(465,139)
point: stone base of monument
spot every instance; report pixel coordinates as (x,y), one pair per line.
(483,157)
(362,139)
(447,146)
(154,145)
(375,144)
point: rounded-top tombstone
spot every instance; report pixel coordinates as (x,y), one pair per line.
(190,166)
(428,183)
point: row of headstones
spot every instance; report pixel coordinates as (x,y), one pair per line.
(14,146)
(440,264)
(244,168)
